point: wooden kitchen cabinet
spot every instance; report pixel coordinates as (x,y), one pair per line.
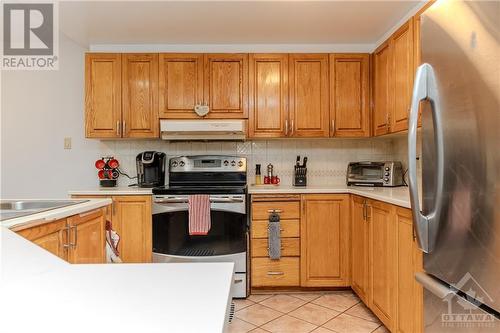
(140,95)
(360,250)
(50,236)
(382,89)
(324,234)
(309,95)
(103,94)
(349,95)
(383,262)
(180,84)
(268,96)
(226,85)
(87,238)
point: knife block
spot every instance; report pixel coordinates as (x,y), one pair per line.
(299,176)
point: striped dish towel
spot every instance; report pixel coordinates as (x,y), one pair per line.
(199,214)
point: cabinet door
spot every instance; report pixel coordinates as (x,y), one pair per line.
(268,95)
(324,233)
(360,248)
(309,95)
(87,238)
(382,89)
(181,84)
(140,95)
(226,85)
(383,262)
(132,221)
(403,72)
(103,94)
(349,95)
(409,297)
(50,236)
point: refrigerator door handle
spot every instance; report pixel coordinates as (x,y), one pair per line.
(426,226)
(433,285)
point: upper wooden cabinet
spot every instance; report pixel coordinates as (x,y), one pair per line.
(402,74)
(349,95)
(140,95)
(268,92)
(309,95)
(226,85)
(324,245)
(382,88)
(181,84)
(103,105)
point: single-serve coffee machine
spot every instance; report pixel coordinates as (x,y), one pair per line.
(150,169)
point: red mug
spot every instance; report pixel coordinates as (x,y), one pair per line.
(267,180)
(275,180)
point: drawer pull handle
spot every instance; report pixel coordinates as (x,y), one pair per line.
(281,248)
(275,211)
(238,280)
(275,273)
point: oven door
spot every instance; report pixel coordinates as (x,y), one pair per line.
(226,238)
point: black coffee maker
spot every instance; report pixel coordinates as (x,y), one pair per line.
(150,169)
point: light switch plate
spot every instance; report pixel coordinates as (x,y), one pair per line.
(67,143)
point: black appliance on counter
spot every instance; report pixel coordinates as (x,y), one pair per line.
(150,168)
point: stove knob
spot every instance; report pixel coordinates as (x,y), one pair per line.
(386,174)
(240,164)
(226,163)
(386,179)
(181,163)
(387,168)
(233,163)
(174,164)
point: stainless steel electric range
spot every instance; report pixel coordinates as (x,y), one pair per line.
(224,178)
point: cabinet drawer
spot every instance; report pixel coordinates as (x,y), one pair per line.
(289,228)
(286,210)
(290,247)
(275,273)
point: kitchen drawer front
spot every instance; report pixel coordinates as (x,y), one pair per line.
(285,209)
(275,273)
(289,228)
(290,247)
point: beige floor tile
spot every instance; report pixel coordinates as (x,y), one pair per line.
(283,303)
(239,326)
(259,297)
(259,330)
(241,303)
(257,314)
(287,324)
(349,324)
(340,301)
(322,330)
(361,311)
(308,297)
(314,314)
(381,329)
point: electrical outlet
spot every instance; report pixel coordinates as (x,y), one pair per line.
(67,143)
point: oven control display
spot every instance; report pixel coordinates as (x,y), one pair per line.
(207,163)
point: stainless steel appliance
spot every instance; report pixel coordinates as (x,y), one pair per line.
(203,129)
(375,173)
(150,168)
(458,222)
(224,178)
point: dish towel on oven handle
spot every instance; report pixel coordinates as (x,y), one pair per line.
(274,236)
(199,214)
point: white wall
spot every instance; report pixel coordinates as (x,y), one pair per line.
(39,109)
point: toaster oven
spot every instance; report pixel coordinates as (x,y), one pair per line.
(375,173)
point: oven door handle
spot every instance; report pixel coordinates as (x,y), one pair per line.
(184,200)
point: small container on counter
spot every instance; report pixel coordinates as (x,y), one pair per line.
(258,176)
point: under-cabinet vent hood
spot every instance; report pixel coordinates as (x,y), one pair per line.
(206,129)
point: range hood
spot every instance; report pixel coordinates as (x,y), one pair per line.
(206,129)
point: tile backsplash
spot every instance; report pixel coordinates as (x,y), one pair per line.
(327,158)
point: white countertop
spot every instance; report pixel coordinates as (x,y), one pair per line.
(399,196)
(119,190)
(43,293)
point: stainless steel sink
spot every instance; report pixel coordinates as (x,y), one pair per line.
(10,209)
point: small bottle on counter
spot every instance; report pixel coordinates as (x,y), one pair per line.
(270,168)
(258,176)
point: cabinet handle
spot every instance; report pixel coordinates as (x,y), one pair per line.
(274,211)
(68,244)
(387,120)
(364,210)
(293,129)
(275,273)
(124,131)
(73,245)
(286,127)
(118,128)
(281,248)
(333,127)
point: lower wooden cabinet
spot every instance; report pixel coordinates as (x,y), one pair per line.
(50,236)
(275,273)
(360,249)
(324,233)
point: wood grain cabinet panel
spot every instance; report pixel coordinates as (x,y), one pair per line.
(87,234)
(324,234)
(309,95)
(402,74)
(285,209)
(103,105)
(51,237)
(275,273)
(349,95)
(226,85)
(290,247)
(268,95)
(382,89)
(180,84)
(360,248)
(140,95)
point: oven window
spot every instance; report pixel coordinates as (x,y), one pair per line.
(367,173)
(226,236)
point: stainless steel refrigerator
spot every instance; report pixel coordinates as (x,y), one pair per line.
(456,212)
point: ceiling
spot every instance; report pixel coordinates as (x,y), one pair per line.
(230,22)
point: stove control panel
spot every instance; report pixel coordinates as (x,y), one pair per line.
(211,163)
